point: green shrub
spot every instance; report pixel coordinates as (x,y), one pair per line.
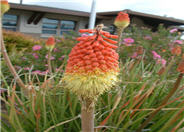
(140,92)
(161,41)
(25,59)
(19,43)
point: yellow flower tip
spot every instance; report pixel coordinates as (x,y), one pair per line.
(90,85)
(4,6)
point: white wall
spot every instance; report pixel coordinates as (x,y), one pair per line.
(36,30)
(29,28)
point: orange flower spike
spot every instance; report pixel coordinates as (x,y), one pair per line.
(122,20)
(106,44)
(140,50)
(82,38)
(4,6)
(114,36)
(50,43)
(163,50)
(183,56)
(110,41)
(176,50)
(83,30)
(92,67)
(181,67)
(86,30)
(106,34)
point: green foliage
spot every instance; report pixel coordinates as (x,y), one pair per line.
(141,90)
(19,43)
(161,41)
(25,59)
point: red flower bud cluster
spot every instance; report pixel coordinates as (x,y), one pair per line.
(93,52)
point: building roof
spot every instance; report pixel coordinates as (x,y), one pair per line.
(45,9)
(100,15)
(145,15)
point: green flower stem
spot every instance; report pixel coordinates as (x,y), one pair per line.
(9,64)
(164,102)
(49,62)
(87,115)
(120,30)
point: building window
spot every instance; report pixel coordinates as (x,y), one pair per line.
(112,29)
(57,27)
(67,26)
(49,26)
(10,22)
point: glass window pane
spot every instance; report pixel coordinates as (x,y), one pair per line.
(9,22)
(10,17)
(49,26)
(67,25)
(10,28)
(48,31)
(46,20)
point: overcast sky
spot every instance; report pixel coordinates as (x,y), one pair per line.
(169,8)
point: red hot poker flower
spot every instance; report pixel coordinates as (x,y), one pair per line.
(4,6)
(92,66)
(181,67)
(122,20)
(50,43)
(176,50)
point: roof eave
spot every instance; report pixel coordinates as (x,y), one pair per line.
(48,9)
(179,21)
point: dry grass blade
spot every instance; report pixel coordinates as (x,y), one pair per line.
(152,109)
(61,123)
(164,102)
(118,98)
(174,118)
(138,100)
(4,100)
(178,125)
(21,103)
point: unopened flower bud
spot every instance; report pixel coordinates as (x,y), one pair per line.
(122,20)
(50,43)
(4,6)
(181,67)
(176,50)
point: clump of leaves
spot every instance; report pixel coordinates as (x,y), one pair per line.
(18,42)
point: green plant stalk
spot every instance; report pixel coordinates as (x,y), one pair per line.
(74,104)
(49,62)
(164,102)
(5,82)
(178,125)
(176,86)
(173,119)
(120,30)
(9,64)
(87,115)
(168,116)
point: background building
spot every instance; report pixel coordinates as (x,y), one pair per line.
(41,21)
